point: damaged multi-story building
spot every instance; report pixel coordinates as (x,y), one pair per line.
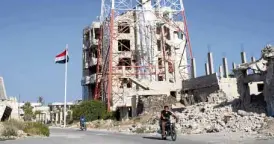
(137,48)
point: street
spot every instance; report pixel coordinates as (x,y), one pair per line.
(73,136)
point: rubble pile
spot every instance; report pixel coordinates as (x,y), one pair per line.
(219,115)
(268,128)
(204,118)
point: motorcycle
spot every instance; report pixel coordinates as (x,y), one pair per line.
(169,131)
(83,126)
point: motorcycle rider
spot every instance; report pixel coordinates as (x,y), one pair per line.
(165,118)
(82,121)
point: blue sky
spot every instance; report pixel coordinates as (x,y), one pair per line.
(32,32)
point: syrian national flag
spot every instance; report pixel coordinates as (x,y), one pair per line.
(61,58)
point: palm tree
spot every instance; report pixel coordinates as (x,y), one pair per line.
(41,100)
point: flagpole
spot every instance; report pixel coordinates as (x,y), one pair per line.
(65,98)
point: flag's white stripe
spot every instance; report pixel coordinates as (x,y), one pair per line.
(60,58)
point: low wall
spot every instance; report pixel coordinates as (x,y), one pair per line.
(198,89)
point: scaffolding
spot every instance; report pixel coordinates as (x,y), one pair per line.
(148,56)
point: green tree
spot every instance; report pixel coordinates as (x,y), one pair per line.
(28,114)
(92,110)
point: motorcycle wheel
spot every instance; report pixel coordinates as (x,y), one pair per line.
(173,134)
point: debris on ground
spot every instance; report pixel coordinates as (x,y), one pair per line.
(219,114)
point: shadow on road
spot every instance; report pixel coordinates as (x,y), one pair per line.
(153,138)
(80,130)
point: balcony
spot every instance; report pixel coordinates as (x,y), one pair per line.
(92,62)
(94,42)
(88,80)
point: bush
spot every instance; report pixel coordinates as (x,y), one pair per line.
(110,115)
(92,110)
(36,129)
(11,127)
(9,130)
(20,125)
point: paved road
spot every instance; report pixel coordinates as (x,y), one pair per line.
(73,136)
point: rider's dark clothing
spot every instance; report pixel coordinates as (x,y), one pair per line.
(165,115)
(82,120)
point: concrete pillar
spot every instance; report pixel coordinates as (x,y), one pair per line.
(210,63)
(206,69)
(134,106)
(221,74)
(253,59)
(243,57)
(233,65)
(225,67)
(193,68)
(56,118)
(61,117)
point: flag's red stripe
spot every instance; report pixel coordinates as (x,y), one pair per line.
(61,54)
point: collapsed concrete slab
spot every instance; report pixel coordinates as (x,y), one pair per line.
(198,89)
(5,112)
(262,72)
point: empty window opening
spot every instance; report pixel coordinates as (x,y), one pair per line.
(97,33)
(95,53)
(87,36)
(260,87)
(124,45)
(160,78)
(92,69)
(173,93)
(123,27)
(159,45)
(167,33)
(125,62)
(90,54)
(158,30)
(160,62)
(175,35)
(180,35)
(168,49)
(170,67)
(86,72)
(86,40)
(126,83)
